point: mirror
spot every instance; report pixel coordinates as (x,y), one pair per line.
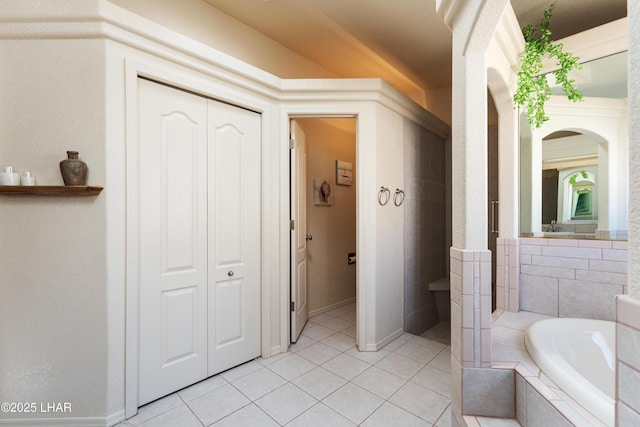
(573,174)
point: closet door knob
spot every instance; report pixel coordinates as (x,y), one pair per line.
(230,273)
(309,237)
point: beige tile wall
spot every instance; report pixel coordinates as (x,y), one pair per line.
(470,277)
(507,275)
(425,234)
(572,278)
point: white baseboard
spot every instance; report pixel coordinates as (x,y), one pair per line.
(114,419)
(386,340)
(66,422)
(331,307)
(54,422)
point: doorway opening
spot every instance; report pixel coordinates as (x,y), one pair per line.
(323,230)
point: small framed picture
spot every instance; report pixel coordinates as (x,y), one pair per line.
(344,172)
(322,192)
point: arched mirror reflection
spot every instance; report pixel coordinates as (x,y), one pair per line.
(574,168)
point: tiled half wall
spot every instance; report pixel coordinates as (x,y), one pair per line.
(471,307)
(572,278)
(470,277)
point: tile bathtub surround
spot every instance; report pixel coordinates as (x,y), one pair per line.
(323,380)
(572,278)
(628,360)
(538,400)
(488,392)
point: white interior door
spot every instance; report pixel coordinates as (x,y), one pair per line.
(173,240)
(298,161)
(234,236)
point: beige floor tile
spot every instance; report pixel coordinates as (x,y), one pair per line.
(353,402)
(319,382)
(286,403)
(391,415)
(400,365)
(319,353)
(346,366)
(291,367)
(180,416)
(258,383)
(379,382)
(249,415)
(321,416)
(217,404)
(421,402)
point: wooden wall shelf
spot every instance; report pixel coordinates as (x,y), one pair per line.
(50,190)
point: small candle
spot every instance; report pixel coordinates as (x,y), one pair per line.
(27,179)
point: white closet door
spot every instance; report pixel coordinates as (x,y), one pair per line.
(173,239)
(234,236)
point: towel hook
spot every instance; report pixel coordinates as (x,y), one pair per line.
(384,195)
(398,197)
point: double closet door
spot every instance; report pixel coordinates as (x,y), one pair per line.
(199,238)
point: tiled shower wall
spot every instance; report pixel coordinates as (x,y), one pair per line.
(572,278)
(425,229)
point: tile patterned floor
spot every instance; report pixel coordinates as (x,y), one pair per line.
(322,381)
(440,333)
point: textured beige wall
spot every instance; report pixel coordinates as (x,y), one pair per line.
(331,280)
(53,256)
(206,24)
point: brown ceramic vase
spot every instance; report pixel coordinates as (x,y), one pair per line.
(74,170)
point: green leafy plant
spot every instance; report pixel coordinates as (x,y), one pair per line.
(533,88)
(574,178)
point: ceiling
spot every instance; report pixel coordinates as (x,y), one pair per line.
(401,41)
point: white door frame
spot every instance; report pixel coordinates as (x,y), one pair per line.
(168,73)
(360,306)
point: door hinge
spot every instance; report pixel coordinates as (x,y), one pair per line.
(293,306)
(292,144)
(292,225)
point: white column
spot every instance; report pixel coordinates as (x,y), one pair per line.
(524,161)
(508,155)
(605,192)
(628,306)
(473,25)
(634,150)
(508,248)
(536,183)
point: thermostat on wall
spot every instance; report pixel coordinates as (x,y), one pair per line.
(344,172)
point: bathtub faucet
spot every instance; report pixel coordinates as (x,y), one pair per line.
(554,227)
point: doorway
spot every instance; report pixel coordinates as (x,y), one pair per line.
(323,210)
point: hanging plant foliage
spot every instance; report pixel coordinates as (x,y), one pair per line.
(574,178)
(533,88)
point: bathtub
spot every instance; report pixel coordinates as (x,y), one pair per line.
(578,355)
